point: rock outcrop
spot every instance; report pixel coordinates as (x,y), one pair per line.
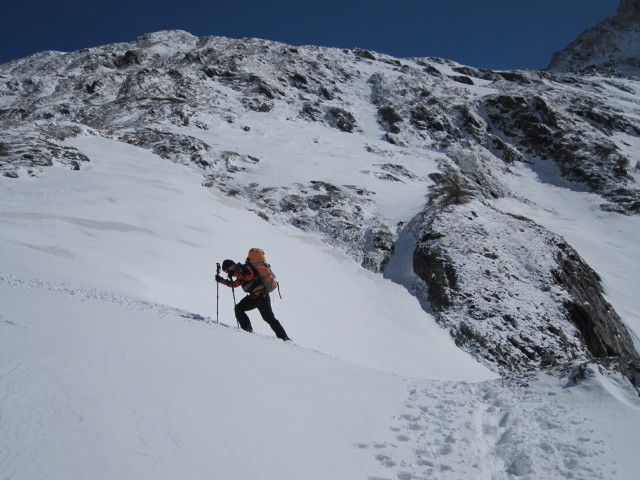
(510,292)
(613,43)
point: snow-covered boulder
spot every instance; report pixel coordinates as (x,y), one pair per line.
(511,292)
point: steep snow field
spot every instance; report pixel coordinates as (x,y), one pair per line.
(112,363)
(139,226)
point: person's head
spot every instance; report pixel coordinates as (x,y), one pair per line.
(228,266)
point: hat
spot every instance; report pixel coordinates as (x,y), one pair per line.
(226,264)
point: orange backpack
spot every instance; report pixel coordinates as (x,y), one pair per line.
(265,277)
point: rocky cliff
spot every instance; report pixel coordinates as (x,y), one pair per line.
(517,295)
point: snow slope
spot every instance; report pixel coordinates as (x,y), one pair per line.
(103,386)
(113,365)
(139,226)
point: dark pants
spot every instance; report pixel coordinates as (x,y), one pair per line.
(263,304)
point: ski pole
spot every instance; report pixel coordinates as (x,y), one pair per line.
(233,291)
(217,293)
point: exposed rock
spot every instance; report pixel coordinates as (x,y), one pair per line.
(584,155)
(462,79)
(26,155)
(362,53)
(599,325)
(130,58)
(177,148)
(311,112)
(390,118)
(612,43)
(485,292)
(342,119)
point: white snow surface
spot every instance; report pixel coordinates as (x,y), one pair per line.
(114,362)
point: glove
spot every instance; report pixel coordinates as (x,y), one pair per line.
(218,279)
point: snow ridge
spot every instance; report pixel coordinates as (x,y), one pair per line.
(161,311)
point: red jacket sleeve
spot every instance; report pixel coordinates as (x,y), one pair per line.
(245,274)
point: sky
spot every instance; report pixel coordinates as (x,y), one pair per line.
(496,34)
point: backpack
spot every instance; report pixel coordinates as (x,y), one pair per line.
(264,277)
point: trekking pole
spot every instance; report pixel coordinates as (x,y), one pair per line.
(217,292)
(233,291)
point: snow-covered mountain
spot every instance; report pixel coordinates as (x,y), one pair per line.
(348,144)
(613,43)
(430,223)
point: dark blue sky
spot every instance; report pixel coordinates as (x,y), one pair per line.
(497,34)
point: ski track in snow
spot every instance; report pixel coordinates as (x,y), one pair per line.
(452,431)
(95,294)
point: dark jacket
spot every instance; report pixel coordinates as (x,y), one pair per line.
(245,278)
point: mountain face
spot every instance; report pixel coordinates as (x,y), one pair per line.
(510,291)
(613,43)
